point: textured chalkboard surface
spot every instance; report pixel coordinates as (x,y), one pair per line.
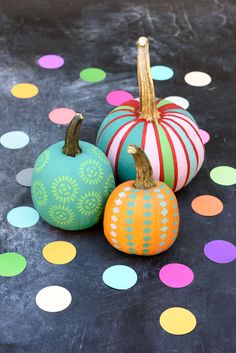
(184,34)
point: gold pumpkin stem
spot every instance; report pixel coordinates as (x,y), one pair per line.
(148,108)
(144,174)
(71,147)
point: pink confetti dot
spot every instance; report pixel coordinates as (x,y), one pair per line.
(62,116)
(118,97)
(204,136)
(51,61)
(176,275)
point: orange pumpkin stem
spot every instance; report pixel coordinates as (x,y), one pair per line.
(144,174)
(71,147)
(148,109)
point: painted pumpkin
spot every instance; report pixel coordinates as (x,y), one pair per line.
(167,133)
(71,182)
(141,217)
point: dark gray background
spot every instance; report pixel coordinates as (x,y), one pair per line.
(186,35)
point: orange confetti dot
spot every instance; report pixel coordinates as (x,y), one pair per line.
(207,205)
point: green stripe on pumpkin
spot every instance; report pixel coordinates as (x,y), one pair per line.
(121,107)
(168,162)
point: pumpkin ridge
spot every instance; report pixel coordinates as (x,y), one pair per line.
(173,156)
(184,148)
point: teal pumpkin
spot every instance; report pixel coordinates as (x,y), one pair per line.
(70,191)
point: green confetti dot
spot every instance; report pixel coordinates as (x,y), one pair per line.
(11,264)
(223,175)
(92,74)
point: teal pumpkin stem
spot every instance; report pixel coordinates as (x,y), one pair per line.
(144,174)
(148,109)
(71,147)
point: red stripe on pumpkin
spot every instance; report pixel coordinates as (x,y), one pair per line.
(184,148)
(162,174)
(120,146)
(173,156)
(181,118)
(113,137)
(110,122)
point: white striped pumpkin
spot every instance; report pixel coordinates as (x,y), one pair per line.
(167,133)
(172,143)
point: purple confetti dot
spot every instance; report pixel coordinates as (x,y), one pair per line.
(220,251)
(50,61)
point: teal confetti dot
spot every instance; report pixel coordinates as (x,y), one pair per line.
(147,230)
(161,72)
(23,217)
(147,197)
(147,222)
(129,212)
(120,277)
(129,236)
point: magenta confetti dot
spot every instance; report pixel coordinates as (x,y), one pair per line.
(220,251)
(51,61)
(118,97)
(176,275)
(204,136)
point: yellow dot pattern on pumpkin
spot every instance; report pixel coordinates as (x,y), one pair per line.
(59,252)
(178,321)
(24,90)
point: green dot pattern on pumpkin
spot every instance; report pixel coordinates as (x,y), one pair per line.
(74,200)
(91,172)
(65,189)
(89,203)
(39,193)
(61,215)
(42,161)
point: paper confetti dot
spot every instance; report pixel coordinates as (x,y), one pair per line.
(53,299)
(92,74)
(176,275)
(161,73)
(197,79)
(120,277)
(182,102)
(178,321)
(23,217)
(11,264)
(14,140)
(59,252)
(24,90)
(207,205)
(220,251)
(62,116)
(204,136)
(24,177)
(223,175)
(118,97)
(51,61)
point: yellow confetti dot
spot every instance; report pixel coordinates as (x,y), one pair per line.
(178,321)
(59,252)
(24,90)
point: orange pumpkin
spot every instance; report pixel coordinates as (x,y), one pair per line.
(141,217)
